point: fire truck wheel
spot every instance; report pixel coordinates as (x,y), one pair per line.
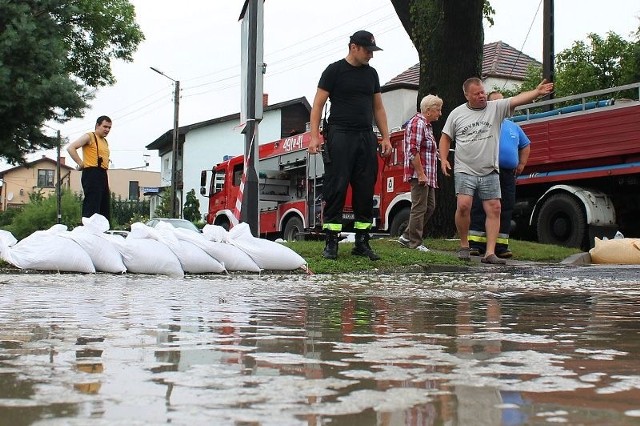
(562,221)
(293,229)
(399,222)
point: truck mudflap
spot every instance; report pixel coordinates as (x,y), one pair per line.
(570,216)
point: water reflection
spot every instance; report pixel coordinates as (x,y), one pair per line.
(362,350)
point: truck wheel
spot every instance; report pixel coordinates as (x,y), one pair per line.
(293,229)
(224,224)
(399,222)
(562,222)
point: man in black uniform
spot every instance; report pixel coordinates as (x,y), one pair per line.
(353,87)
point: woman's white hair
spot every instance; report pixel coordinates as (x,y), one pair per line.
(430,101)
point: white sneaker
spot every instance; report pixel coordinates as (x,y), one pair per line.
(404,241)
(422,248)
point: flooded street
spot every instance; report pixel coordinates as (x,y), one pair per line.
(530,346)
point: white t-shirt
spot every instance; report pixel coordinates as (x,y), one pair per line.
(477,135)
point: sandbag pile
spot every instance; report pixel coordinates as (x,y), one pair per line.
(161,250)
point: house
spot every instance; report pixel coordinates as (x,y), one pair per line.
(41,175)
(503,67)
(206,143)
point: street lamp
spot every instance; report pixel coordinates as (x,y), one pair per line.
(174,163)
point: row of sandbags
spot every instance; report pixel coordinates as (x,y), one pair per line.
(161,250)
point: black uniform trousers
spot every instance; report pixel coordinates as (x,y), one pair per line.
(97,197)
(354,161)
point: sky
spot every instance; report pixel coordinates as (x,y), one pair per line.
(198,43)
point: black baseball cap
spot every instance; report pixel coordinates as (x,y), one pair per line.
(365,39)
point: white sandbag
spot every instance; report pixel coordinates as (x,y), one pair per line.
(267,254)
(215,233)
(49,251)
(231,257)
(193,259)
(619,251)
(97,223)
(104,255)
(148,256)
(7,239)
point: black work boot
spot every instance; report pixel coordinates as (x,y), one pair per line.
(331,245)
(362,247)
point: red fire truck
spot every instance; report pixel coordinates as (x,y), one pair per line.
(583,175)
(290,189)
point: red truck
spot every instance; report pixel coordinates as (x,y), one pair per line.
(582,179)
(290,190)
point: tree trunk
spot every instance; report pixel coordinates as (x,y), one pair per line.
(449,37)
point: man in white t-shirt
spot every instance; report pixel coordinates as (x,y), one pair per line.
(475,127)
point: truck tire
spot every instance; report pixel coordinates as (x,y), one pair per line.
(399,222)
(224,223)
(293,229)
(562,222)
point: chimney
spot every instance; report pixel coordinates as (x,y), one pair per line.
(265,99)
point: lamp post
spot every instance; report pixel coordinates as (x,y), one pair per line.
(174,153)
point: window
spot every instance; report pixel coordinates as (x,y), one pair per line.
(237,174)
(134,190)
(45,178)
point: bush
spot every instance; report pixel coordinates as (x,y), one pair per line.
(41,213)
(123,212)
(191,210)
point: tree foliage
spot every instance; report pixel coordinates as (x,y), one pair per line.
(191,210)
(42,212)
(594,64)
(52,54)
(163,208)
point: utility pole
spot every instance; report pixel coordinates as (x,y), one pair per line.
(174,210)
(548,51)
(58,183)
(252,108)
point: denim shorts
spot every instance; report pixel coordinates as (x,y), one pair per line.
(487,187)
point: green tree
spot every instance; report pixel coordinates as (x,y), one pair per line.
(191,210)
(596,64)
(52,54)
(438,28)
(164,207)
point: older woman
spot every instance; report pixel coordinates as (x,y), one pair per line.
(420,169)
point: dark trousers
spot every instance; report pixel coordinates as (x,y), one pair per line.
(354,162)
(97,197)
(477,234)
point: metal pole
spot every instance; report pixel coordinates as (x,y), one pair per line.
(58,184)
(249,213)
(175,208)
(548,51)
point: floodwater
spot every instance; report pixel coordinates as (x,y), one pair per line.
(491,347)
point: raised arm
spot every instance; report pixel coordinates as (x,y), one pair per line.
(523,98)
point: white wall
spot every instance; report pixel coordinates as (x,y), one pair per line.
(400,105)
(493,83)
(205,147)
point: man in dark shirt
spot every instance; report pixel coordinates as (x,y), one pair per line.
(353,88)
